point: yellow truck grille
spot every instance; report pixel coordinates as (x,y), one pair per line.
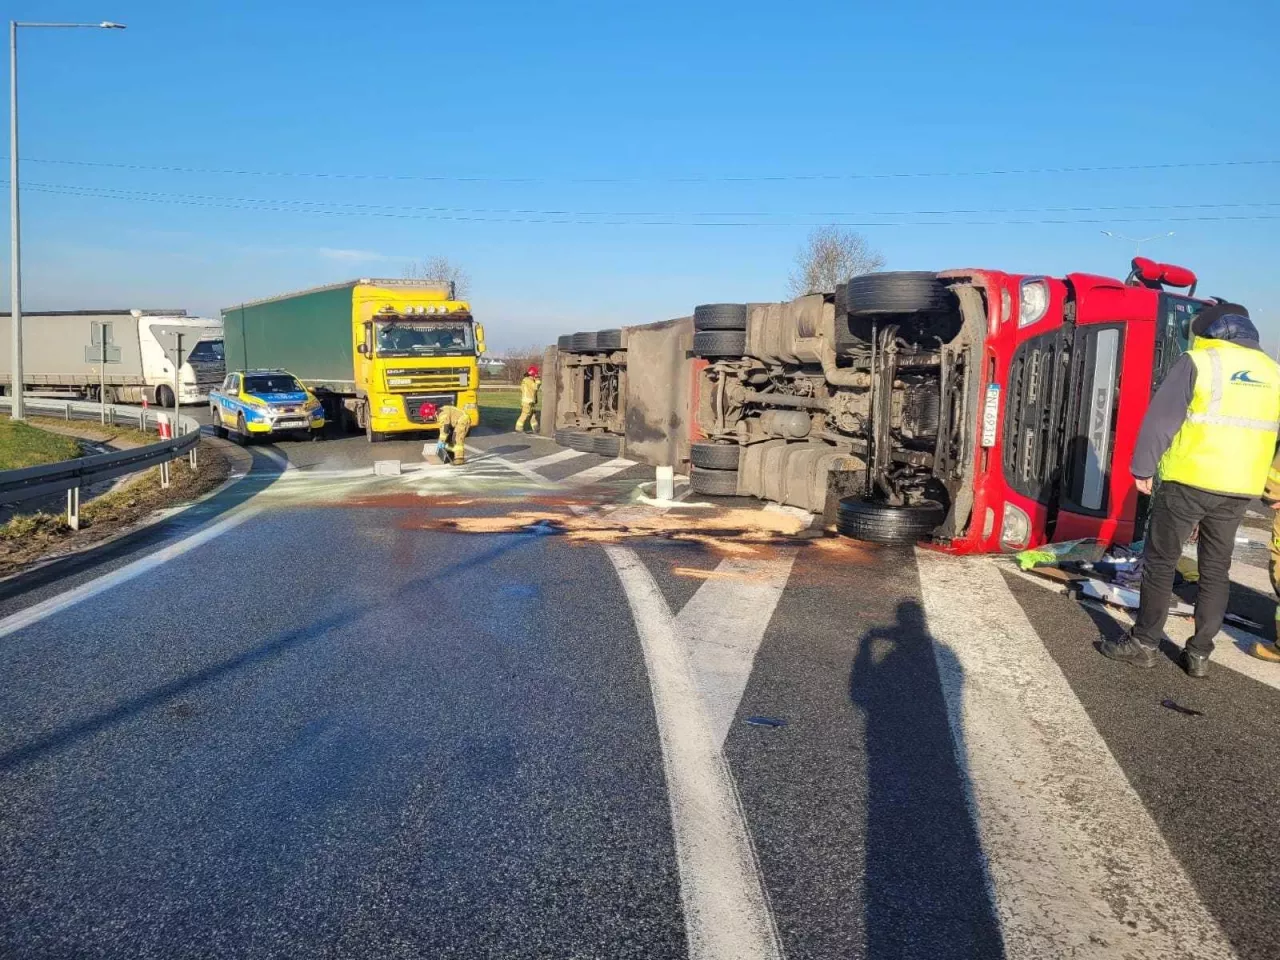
(439,378)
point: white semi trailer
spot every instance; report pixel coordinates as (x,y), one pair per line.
(55,362)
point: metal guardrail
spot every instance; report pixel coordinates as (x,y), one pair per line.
(71,475)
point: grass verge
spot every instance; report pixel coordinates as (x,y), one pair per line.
(23,445)
(28,538)
(500,408)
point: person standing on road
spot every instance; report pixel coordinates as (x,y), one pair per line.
(529,388)
(1271,651)
(1210,435)
(454,425)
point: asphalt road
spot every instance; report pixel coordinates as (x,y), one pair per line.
(328,715)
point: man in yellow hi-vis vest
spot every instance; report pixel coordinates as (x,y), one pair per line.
(1271,651)
(1210,435)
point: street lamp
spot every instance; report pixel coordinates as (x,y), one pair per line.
(15,255)
(1136,241)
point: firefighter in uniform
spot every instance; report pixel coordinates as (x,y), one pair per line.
(529,388)
(1210,435)
(1271,651)
(454,425)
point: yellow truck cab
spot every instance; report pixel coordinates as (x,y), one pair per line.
(374,352)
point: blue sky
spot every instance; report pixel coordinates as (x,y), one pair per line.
(452,116)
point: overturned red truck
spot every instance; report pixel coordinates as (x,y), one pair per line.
(980,410)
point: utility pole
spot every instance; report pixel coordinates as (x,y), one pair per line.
(15,228)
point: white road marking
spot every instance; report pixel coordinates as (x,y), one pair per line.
(1078,866)
(278,458)
(722,626)
(551,458)
(56,604)
(511,465)
(598,473)
(727,914)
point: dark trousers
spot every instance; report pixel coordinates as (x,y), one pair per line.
(1176,511)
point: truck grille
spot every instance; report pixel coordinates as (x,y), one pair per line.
(407,380)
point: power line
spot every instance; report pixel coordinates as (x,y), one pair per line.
(971,211)
(284,206)
(438,178)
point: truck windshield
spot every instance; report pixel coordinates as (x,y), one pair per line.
(207,350)
(1173,333)
(423,338)
(272,383)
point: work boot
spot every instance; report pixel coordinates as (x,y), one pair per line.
(1130,651)
(1266,651)
(1196,665)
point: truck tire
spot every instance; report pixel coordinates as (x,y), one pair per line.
(562,437)
(880,522)
(609,340)
(375,436)
(565,342)
(606,444)
(582,441)
(583,343)
(903,291)
(720,316)
(716,456)
(219,430)
(842,299)
(720,343)
(164,397)
(717,483)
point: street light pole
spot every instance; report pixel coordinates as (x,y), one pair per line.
(16,411)
(1136,241)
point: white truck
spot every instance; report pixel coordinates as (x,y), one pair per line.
(56,363)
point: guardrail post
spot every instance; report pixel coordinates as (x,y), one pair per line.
(73,508)
(192,459)
(111,416)
(164,475)
(68,411)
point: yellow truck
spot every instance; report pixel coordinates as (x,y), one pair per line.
(374,352)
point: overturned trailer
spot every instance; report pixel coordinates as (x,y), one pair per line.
(981,410)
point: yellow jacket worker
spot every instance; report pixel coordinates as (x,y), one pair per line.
(1271,651)
(529,388)
(1210,434)
(454,425)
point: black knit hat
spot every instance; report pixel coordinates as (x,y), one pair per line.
(1212,312)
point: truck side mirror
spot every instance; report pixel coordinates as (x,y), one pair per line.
(362,349)
(479,338)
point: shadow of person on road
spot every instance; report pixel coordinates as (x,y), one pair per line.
(926,893)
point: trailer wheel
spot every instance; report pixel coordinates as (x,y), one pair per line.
(716,456)
(164,396)
(565,342)
(880,522)
(720,316)
(609,340)
(717,483)
(583,343)
(902,291)
(720,343)
(606,444)
(583,442)
(219,430)
(562,437)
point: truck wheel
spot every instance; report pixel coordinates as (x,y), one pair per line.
(719,483)
(902,291)
(880,522)
(562,437)
(720,343)
(375,436)
(565,343)
(609,340)
(606,444)
(716,456)
(242,437)
(584,442)
(219,430)
(583,343)
(164,396)
(720,316)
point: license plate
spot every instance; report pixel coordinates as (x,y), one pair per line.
(990,415)
(291,425)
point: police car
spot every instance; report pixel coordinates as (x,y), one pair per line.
(255,403)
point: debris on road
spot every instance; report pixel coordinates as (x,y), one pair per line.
(1069,551)
(771,722)
(1179,708)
